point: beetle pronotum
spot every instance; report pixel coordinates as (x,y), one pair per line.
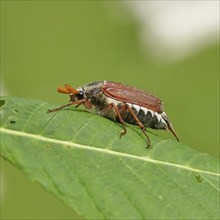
(122,103)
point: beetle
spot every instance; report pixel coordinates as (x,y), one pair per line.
(121,103)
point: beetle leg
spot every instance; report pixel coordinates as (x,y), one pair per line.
(117,112)
(140,125)
(120,119)
(77,103)
(87,104)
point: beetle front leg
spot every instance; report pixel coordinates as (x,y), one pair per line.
(77,103)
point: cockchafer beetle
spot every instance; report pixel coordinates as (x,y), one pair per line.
(120,103)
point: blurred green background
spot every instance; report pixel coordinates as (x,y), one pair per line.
(47,43)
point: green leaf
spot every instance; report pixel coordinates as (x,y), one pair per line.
(80,158)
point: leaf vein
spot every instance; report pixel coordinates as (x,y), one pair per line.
(107,151)
(81,127)
(185,191)
(48,122)
(68,166)
(159,196)
(32,114)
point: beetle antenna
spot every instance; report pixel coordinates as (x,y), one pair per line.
(71,89)
(60,89)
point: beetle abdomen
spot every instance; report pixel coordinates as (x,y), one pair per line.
(146,116)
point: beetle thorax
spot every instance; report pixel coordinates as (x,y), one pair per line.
(93,93)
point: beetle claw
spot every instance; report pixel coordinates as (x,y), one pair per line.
(149,146)
(121,133)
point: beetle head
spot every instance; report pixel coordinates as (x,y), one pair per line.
(75,94)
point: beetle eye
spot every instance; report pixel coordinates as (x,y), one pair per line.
(80,95)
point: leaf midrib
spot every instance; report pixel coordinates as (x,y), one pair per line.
(102,150)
